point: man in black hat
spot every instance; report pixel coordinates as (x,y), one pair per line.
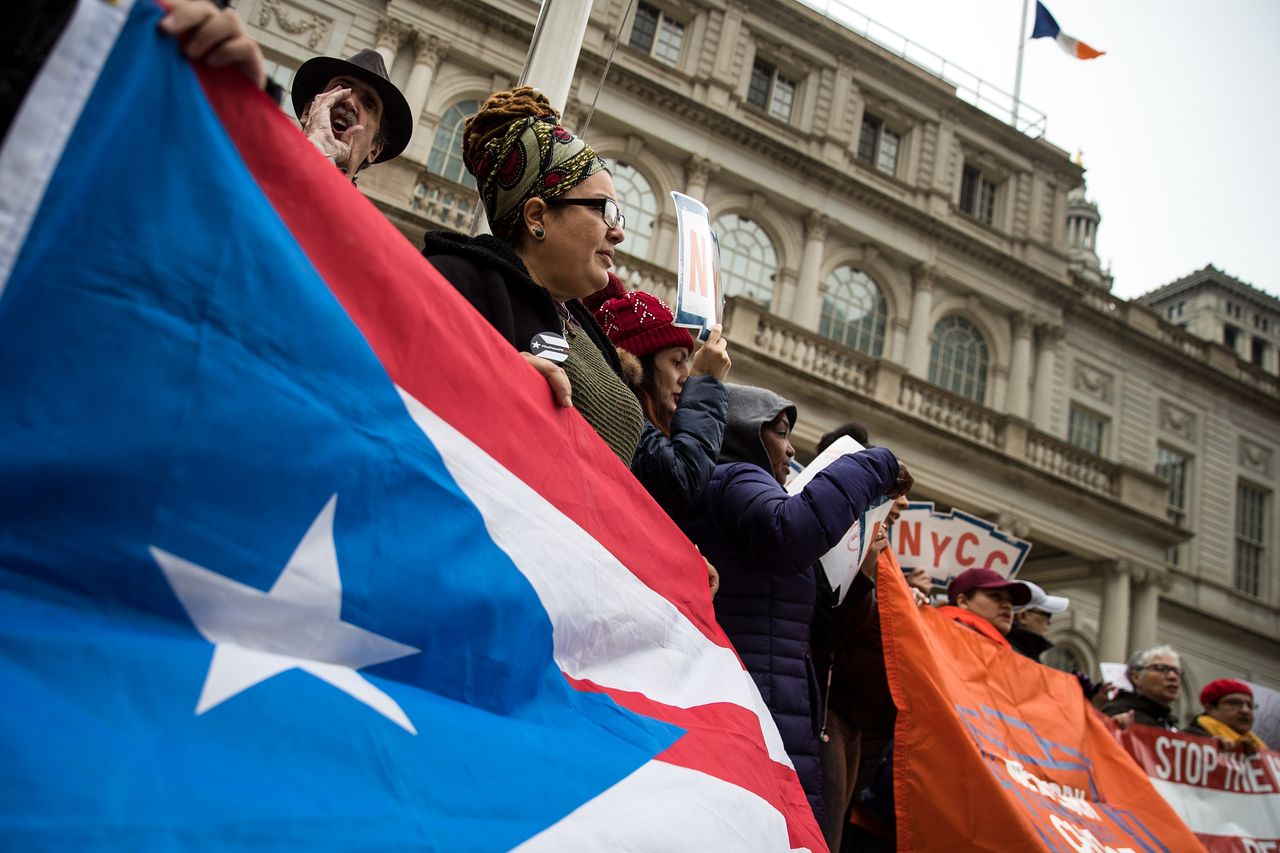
(348,108)
(351,111)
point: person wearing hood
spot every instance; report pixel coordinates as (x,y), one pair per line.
(680,388)
(765,543)
(555,219)
(1028,636)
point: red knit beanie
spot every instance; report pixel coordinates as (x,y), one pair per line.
(635,321)
(1215,690)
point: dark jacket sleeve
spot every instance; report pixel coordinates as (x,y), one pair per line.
(787,534)
(675,470)
(485,290)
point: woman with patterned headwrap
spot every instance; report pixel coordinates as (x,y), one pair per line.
(555,219)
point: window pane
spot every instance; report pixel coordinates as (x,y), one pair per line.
(670,36)
(761,80)
(986,201)
(748,262)
(445,158)
(784,94)
(887,161)
(640,205)
(968,189)
(867,139)
(1084,430)
(644,27)
(958,361)
(853,311)
(1251,539)
(1172,467)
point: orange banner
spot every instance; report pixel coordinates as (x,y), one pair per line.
(996,752)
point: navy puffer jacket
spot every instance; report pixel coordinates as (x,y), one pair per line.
(764,544)
(674,469)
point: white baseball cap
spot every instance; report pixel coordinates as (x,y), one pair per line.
(1040,600)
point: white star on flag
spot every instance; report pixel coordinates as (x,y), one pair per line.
(296,625)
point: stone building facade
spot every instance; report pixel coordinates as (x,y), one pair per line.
(895,255)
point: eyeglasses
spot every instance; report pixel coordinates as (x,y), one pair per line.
(1048,617)
(1238,703)
(1163,669)
(609,210)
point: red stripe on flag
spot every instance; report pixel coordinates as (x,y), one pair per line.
(723,740)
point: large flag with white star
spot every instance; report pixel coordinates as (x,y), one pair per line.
(295,552)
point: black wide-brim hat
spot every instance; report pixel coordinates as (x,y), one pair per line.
(397,120)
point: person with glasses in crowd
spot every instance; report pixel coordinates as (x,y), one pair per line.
(1029,634)
(1156,676)
(1228,715)
(556,222)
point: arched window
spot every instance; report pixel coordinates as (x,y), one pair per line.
(1063,657)
(959,359)
(853,311)
(445,159)
(640,205)
(748,262)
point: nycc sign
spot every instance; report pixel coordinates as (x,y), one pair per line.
(945,544)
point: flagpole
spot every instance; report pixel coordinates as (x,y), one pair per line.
(1017,77)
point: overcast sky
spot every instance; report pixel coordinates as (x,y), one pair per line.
(1179,122)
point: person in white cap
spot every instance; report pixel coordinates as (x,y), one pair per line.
(1031,622)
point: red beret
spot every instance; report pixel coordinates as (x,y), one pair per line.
(1215,690)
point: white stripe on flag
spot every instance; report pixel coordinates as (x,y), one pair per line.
(664,807)
(48,114)
(1213,812)
(609,628)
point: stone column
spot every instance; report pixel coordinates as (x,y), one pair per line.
(698,171)
(1113,630)
(431,51)
(808,306)
(917,356)
(1145,610)
(1046,364)
(1020,368)
(391,35)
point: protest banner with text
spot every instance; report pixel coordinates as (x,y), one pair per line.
(948,543)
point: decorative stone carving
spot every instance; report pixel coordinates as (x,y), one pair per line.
(1095,382)
(816,225)
(393,33)
(699,170)
(298,25)
(1255,457)
(1176,420)
(431,51)
(922,276)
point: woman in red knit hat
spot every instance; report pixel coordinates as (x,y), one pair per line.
(1228,715)
(681,392)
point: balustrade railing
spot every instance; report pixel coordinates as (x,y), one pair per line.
(951,412)
(443,203)
(642,275)
(1071,463)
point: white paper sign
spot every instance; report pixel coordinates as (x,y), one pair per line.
(947,544)
(841,563)
(699,303)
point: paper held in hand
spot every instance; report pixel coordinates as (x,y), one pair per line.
(699,299)
(841,563)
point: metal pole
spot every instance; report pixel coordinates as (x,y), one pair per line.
(1017,77)
(553,54)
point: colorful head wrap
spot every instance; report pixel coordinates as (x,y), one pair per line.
(535,158)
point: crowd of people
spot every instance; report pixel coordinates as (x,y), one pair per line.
(714,455)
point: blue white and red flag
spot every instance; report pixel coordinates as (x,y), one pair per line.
(1047,27)
(294,550)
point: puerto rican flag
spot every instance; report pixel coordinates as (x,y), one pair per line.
(295,552)
(1047,27)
